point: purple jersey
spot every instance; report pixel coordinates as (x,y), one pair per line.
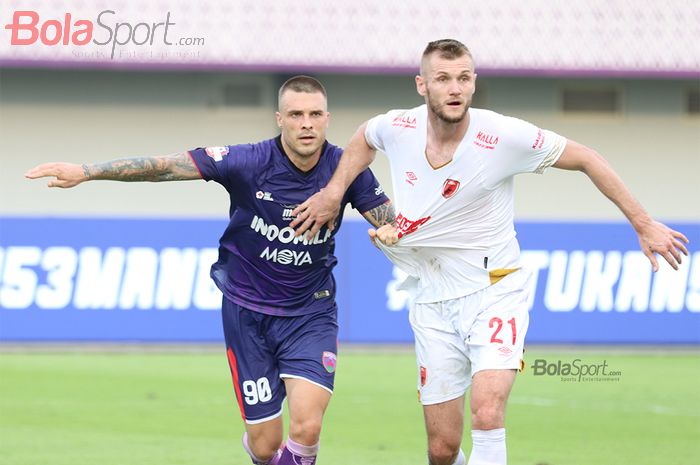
(261,265)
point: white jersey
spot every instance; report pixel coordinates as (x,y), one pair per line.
(456,222)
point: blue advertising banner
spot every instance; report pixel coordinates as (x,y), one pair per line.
(69,279)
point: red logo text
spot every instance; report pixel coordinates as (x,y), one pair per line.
(405,121)
(406,226)
(539,141)
(486,141)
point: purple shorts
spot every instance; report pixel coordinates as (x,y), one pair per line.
(263,349)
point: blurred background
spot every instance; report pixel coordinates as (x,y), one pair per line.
(112,262)
(620,77)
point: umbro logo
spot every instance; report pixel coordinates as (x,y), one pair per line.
(411,177)
(505,351)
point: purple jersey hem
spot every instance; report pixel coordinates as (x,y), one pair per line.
(279,311)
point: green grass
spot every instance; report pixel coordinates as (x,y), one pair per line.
(178,408)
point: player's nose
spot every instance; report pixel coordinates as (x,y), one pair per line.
(455,89)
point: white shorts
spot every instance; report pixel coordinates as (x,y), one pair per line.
(459,337)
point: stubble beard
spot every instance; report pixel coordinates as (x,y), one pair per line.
(298,149)
(437,109)
(305,152)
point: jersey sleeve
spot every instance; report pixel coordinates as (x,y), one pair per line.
(378,130)
(220,164)
(529,148)
(365,193)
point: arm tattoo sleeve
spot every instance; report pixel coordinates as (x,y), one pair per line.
(176,167)
(381,215)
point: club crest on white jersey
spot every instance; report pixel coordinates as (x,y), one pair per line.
(449,188)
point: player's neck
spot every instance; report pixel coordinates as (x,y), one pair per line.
(441,132)
(303,163)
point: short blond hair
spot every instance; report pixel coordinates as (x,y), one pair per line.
(448,49)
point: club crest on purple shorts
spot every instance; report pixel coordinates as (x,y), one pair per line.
(329,361)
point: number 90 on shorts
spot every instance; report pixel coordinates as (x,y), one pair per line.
(256,391)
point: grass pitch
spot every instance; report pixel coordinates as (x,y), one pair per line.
(133,408)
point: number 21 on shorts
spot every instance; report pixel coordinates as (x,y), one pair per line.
(498,324)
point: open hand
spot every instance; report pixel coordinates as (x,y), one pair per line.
(321,208)
(656,237)
(66,174)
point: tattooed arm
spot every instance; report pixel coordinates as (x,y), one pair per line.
(175,167)
(381,215)
(383,218)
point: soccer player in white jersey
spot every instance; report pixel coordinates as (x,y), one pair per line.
(452,168)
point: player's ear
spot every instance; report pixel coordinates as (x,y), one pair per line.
(278,117)
(420,85)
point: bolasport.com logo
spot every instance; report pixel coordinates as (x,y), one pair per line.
(29,28)
(575,370)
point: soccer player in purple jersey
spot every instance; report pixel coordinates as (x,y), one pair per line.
(279,311)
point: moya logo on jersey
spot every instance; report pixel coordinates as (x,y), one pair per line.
(287,256)
(217,153)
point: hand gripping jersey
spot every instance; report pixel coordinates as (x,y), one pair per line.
(456,222)
(261,265)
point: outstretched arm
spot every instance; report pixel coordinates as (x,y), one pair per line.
(324,206)
(654,237)
(175,167)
